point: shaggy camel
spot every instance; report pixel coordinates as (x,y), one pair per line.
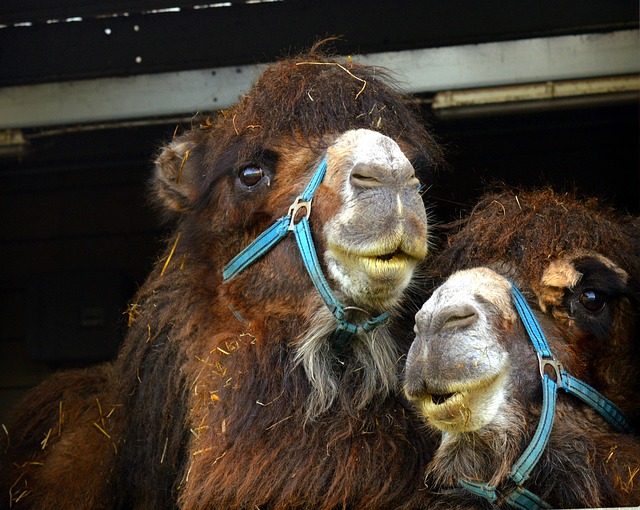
(474,373)
(261,369)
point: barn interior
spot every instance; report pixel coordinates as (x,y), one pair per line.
(520,92)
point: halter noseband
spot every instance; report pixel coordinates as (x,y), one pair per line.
(302,231)
(517,496)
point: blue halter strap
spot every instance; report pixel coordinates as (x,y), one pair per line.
(302,231)
(516,495)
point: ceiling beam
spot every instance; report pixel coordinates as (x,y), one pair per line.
(419,71)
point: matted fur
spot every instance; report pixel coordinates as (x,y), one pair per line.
(376,353)
(526,228)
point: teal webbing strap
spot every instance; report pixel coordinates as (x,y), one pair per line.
(519,497)
(302,231)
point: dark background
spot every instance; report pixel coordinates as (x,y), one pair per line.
(77,233)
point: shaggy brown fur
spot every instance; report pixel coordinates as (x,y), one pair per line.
(531,238)
(205,405)
(528,231)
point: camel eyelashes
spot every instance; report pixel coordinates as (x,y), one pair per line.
(251,175)
(592,300)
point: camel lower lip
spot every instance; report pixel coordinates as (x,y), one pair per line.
(463,409)
(371,279)
(385,265)
(438,409)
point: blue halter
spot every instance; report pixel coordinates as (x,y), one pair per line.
(302,231)
(518,496)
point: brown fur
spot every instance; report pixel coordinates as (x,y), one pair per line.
(210,400)
(537,239)
(56,424)
(528,231)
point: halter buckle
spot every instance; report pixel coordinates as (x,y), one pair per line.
(299,203)
(554,364)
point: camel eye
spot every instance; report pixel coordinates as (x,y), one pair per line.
(251,175)
(592,300)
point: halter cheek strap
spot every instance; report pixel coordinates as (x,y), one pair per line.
(302,232)
(276,232)
(517,496)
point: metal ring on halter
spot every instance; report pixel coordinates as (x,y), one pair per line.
(349,308)
(298,204)
(544,362)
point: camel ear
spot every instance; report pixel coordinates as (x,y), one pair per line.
(173,184)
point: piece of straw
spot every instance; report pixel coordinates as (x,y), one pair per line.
(364,83)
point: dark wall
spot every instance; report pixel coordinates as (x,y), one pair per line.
(594,150)
(246,33)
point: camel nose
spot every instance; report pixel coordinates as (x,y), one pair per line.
(458,316)
(372,160)
(366,175)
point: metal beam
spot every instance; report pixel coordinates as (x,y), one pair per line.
(419,71)
(549,90)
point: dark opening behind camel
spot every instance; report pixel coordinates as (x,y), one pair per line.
(256,391)
(472,371)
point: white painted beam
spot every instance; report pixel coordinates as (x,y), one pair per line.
(424,70)
(515,62)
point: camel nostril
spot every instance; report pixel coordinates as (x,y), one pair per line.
(370,174)
(459,317)
(361,180)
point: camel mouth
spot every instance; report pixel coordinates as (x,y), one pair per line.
(378,266)
(466,408)
(386,264)
(447,411)
(389,256)
(439,399)
(382,270)
(372,278)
